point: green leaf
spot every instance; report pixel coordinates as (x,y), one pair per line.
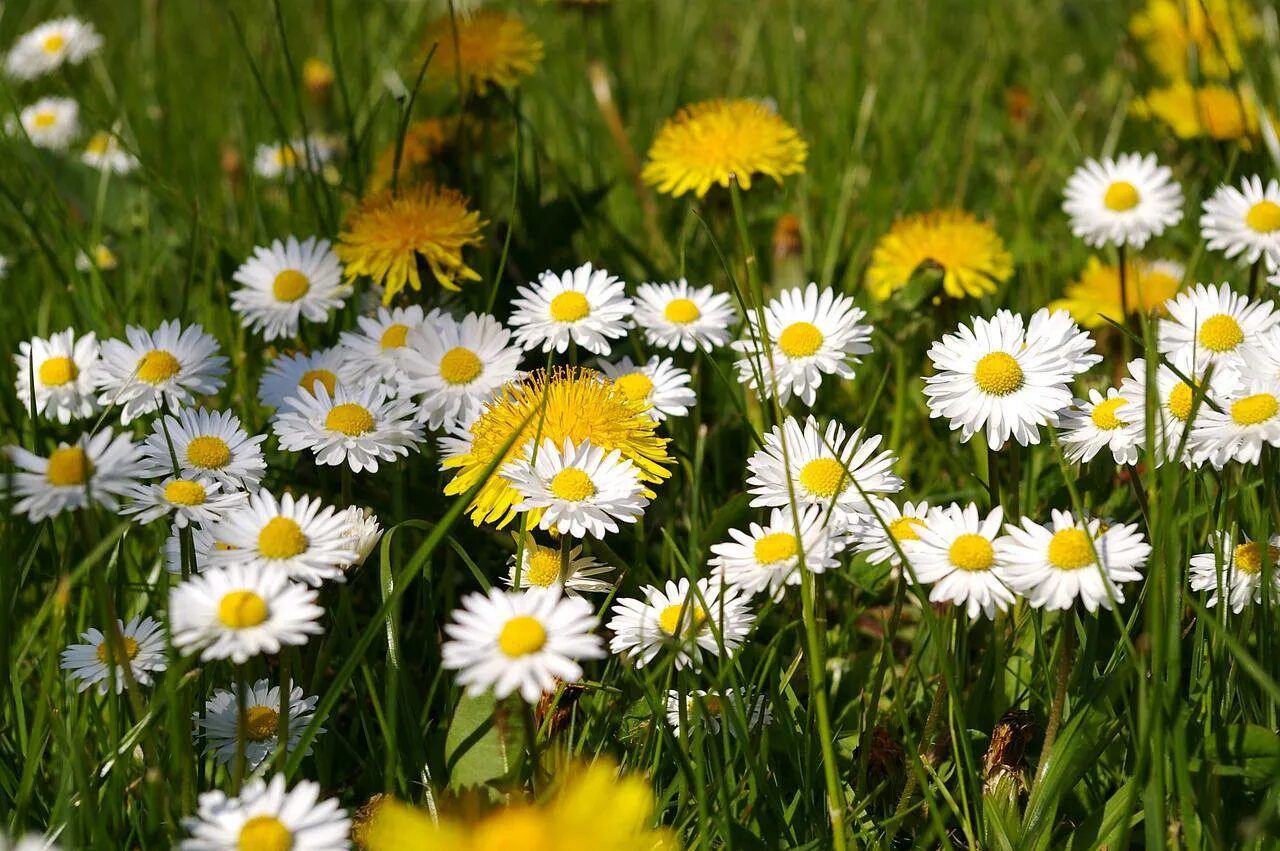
(1247,750)
(485,740)
(1107,827)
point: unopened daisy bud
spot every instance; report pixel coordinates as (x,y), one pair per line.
(317,76)
(1006,755)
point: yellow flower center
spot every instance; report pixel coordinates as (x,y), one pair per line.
(682,311)
(636,386)
(324,376)
(1255,409)
(107,650)
(800,339)
(1180,399)
(1248,557)
(1121,196)
(776,547)
(98,143)
(261,723)
(669,619)
(570,306)
(286,156)
(208,452)
(1221,333)
(58,371)
(68,466)
(823,477)
(521,636)
(242,609)
(394,336)
(264,833)
(184,492)
(281,537)
(157,366)
(544,567)
(972,552)
(460,366)
(998,374)
(349,418)
(904,528)
(54,43)
(290,285)
(1104,414)
(572,485)
(44,120)
(1264,217)
(1070,549)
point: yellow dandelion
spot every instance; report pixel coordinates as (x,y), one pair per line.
(1216,29)
(567,403)
(1215,111)
(1096,293)
(490,48)
(424,142)
(719,140)
(317,76)
(967,252)
(386,235)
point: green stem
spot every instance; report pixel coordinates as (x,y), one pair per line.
(1065,658)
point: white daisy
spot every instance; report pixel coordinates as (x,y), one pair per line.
(585,305)
(1175,398)
(288,374)
(520,641)
(104,152)
(285,282)
(28,842)
(658,384)
(221,722)
(169,366)
(240,611)
(100,661)
(540,568)
(301,539)
(879,540)
(96,468)
(1234,570)
(374,352)
(809,333)
(1125,201)
(1056,331)
(1245,222)
(61,41)
(1215,321)
(100,258)
(51,122)
(363,531)
(688,622)
(64,369)
(1247,419)
(955,552)
(1052,566)
(266,817)
(359,427)
(283,160)
(678,316)
(707,708)
(767,558)
(1101,422)
(581,490)
(205,443)
(196,500)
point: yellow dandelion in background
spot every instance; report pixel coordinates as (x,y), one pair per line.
(567,403)
(1216,29)
(317,76)
(967,252)
(1215,111)
(1096,294)
(424,142)
(719,140)
(386,234)
(490,48)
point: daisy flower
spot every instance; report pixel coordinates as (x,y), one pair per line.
(1247,419)
(100,660)
(1216,321)
(689,622)
(768,558)
(487,48)
(1057,331)
(302,539)
(1234,571)
(955,551)
(1175,398)
(96,468)
(455,367)
(879,540)
(283,160)
(100,259)
(1244,223)
(823,467)
(51,45)
(810,333)
(28,842)
(205,443)
(197,500)
(267,817)
(358,427)
(363,531)
(262,708)
(285,282)
(967,254)
(540,568)
(659,385)
(1053,566)
(288,374)
(240,611)
(64,370)
(708,708)
(679,316)
(104,152)
(375,351)
(1096,296)
(51,123)
(520,642)
(586,306)
(581,490)
(1125,201)
(1104,421)
(170,366)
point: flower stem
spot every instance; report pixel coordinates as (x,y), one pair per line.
(1065,657)
(818,692)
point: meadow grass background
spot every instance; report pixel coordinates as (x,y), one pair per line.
(1169,732)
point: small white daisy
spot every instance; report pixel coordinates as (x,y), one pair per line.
(196,500)
(584,305)
(659,384)
(240,611)
(687,622)
(220,723)
(51,122)
(955,552)
(288,374)
(1234,571)
(283,160)
(520,641)
(28,842)
(171,365)
(58,42)
(710,709)
(541,569)
(678,316)
(205,443)
(285,282)
(1053,566)
(1175,399)
(65,370)
(1245,222)
(267,817)
(363,531)
(1215,321)
(880,539)
(767,558)
(301,539)
(581,490)
(359,427)
(1125,201)
(100,258)
(1249,419)
(96,468)
(1057,331)
(374,352)
(100,660)
(809,333)
(104,152)
(1101,422)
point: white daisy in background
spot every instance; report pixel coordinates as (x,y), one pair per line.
(205,443)
(198,500)
(767,558)
(104,152)
(267,817)
(809,333)
(993,376)
(1244,223)
(1247,420)
(374,352)
(585,305)
(221,720)
(1053,566)
(879,538)
(1124,201)
(285,282)
(170,366)
(580,490)
(678,316)
(363,531)
(4,267)
(359,427)
(64,369)
(283,160)
(202,543)
(520,641)
(540,568)
(288,374)
(659,384)
(686,621)
(1101,422)
(1215,322)
(100,660)
(1056,331)
(823,467)
(452,368)
(51,45)
(302,539)
(96,468)
(100,258)
(240,611)
(28,842)
(51,123)
(1234,571)
(710,709)
(955,551)
(1175,398)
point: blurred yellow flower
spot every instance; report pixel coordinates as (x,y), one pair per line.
(1096,294)
(489,48)
(719,140)
(317,76)
(1214,111)
(968,253)
(424,142)
(1215,29)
